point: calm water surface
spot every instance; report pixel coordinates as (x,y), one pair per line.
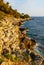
(36,31)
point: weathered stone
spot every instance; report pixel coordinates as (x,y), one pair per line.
(9,34)
(14,41)
(29,43)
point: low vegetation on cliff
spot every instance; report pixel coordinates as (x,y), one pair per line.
(15,47)
(6,9)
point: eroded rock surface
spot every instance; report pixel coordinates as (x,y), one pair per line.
(15,46)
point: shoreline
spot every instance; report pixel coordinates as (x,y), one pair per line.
(37,53)
(15,43)
(36,43)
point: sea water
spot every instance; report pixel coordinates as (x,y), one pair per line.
(36,31)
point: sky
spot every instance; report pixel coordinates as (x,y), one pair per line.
(31,7)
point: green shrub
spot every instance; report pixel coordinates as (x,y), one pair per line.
(33,63)
(42,64)
(25,56)
(4,7)
(26,16)
(9,56)
(1,60)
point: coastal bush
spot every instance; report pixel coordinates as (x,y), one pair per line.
(25,56)
(42,64)
(1,60)
(9,56)
(4,7)
(15,52)
(33,63)
(26,16)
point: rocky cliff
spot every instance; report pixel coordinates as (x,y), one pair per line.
(15,47)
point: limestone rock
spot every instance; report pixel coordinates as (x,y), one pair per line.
(9,34)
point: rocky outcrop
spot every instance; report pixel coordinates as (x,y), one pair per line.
(15,46)
(9,35)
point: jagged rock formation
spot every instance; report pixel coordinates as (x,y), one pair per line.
(15,47)
(9,34)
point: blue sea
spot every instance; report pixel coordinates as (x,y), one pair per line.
(36,31)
